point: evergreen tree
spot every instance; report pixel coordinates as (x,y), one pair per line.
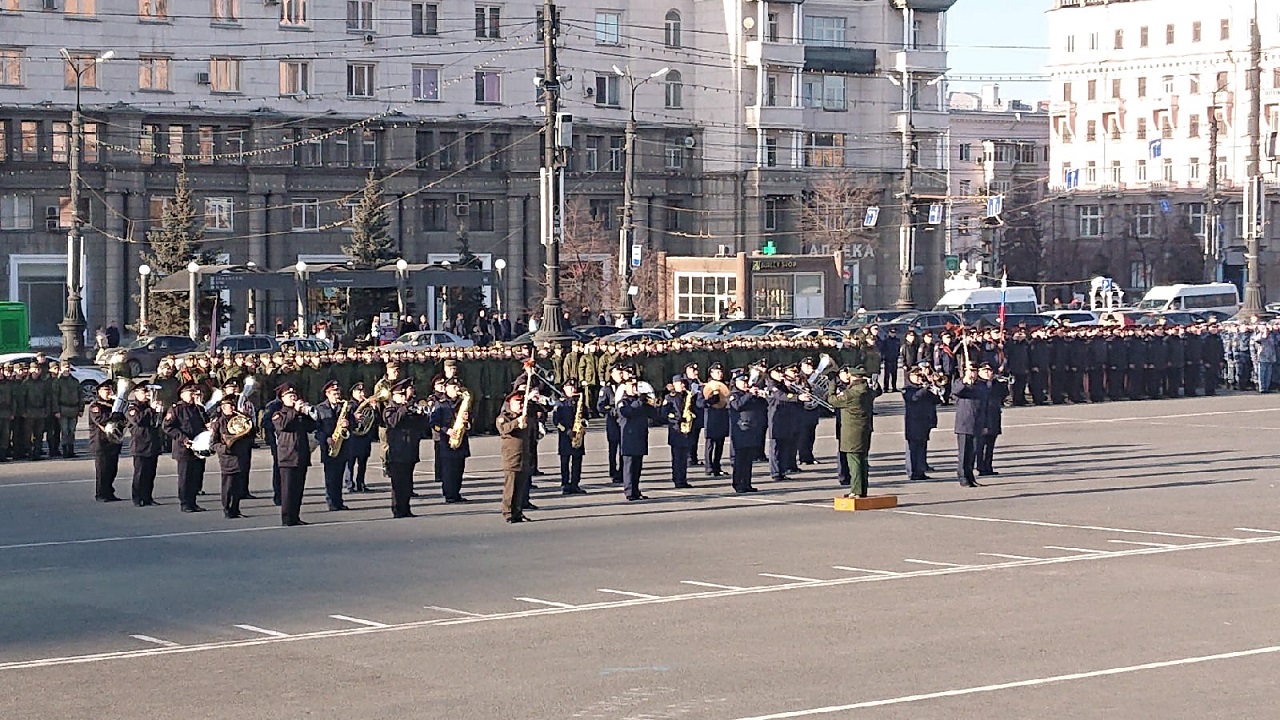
(371,246)
(468,301)
(173,245)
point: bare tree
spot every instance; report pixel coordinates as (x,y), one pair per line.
(588,255)
(832,212)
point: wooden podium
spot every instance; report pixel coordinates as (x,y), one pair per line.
(875,502)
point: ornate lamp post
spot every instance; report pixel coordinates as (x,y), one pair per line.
(144,277)
(193,297)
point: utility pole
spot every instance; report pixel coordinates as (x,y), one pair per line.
(552,326)
(907,232)
(1212,238)
(1255,206)
(627,235)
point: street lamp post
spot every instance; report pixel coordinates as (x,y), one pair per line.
(499,265)
(144,276)
(402,266)
(626,236)
(301,269)
(251,303)
(193,298)
(73,322)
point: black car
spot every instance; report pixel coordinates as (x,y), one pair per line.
(1031,321)
(679,327)
(935,321)
(143,355)
(592,332)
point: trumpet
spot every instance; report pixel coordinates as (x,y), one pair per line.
(305,408)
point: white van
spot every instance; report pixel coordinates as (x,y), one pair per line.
(1223,297)
(988,299)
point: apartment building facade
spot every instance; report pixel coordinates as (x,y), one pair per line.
(278,110)
(1148,96)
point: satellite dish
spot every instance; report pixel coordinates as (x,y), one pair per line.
(748,22)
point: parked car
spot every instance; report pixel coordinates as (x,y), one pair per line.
(246,344)
(768,328)
(305,345)
(89,376)
(588,332)
(1030,321)
(637,335)
(1122,318)
(876,316)
(935,321)
(1214,315)
(721,328)
(1175,317)
(141,356)
(678,328)
(427,338)
(1073,317)
(527,338)
(812,332)
(823,322)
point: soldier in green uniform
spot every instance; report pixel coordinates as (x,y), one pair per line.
(589,376)
(67,400)
(7,385)
(853,397)
(40,409)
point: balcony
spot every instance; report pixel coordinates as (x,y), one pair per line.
(763,54)
(924,5)
(929,183)
(923,121)
(848,61)
(922,62)
(763,116)
(1062,107)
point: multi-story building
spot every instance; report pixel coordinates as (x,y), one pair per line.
(1149,96)
(279,111)
(998,148)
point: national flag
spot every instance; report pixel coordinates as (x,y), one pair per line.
(1004,291)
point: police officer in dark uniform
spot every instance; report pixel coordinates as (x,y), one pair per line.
(693,384)
(1117,363)
(920,416)
(679,428)
(748,415)
(1039,350)
(606,405)
(145,443)
(105,449)
(361,445)
(565,417)
(334,417)
(996,392)
(810,417)
(785,407)
(971,405)
(294,422)
(453,461)
(182,423)
(1017,358)
(634,412)
(233,456)
(715,418)
(405,427)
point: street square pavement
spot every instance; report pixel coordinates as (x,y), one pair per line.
(1122,565)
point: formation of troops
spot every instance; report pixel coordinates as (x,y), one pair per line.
(724,405)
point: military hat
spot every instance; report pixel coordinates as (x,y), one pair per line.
(332,384)
(691,366)
(858,370)
(985,366)
(453,381)
(358,387)
(285,388)
(515,395)
(231,381)
(806,361)
(35,365)
(569,382)
(717,366)
(189,386)
(393,364)
(451,363)
(402,385)
(103,384)
(678,379)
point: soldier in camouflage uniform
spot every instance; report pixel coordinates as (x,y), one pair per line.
(69,405)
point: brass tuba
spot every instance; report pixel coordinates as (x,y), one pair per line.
(368,417)
(819,382)
(240,424)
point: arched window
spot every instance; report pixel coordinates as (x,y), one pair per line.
(673,29)
(675,89)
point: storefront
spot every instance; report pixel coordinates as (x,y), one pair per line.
(765,287)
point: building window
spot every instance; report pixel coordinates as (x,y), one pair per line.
(824,150)
(1195,83)
(1071,43)
(1144,36)
(1090,221)
(1168,34)
(1093,41)
(671,35)
(16,212)
(233,142)
(1142,87)
(61,141)
(483,213)
(1222,166)
(224,75)
(1167,170)
(471,148)
(1193,169)
(771,152)
(204,145)
(1091,131)
(293,13)
(153,10)
(602,212)
(1119,39)
(772,28)
(1093,89)
(617,153)
(674,90)
(824,31)
(966,152)
(1116,174)
(153,73)
(425,19)
(824,91)
(608,90)
(1144,218)
(592,153)
(10,67)
(295,78)
(147,144)
(424,148)
(1196,218)
(426,83)
(488,21)
(177,144)
(1140,171)
(704,296)
(488,86)
(80,8)
(360,80)
(306,215)
(448,150)
(368,148)
(1091,173)
(311,150)
(29,141)
(1140,274)
(88,71)
(608,28)
(360,15)
(219,214)
(1066,92)
(1115,89)
(1166,128)
(225,11)
(674,154)
(1142,128)
(4,141)
(1193,126)
(498,143)
(10,6)
(1195,31)
(435,214)
(1224,29)
(771,210)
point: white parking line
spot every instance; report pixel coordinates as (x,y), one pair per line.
(642,596)
(263,631)
(1256,530)
(454,611)
(1144,544)
(711,585)
(1034,682)
(1079,550)
(1037,523)
(1010,557)
(359,621)
(848,568)
(797,578)
(155,641)
(549,603)
(931,562)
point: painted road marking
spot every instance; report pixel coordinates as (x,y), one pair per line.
(931,562)
(263,631)
(1076,549)
(1141,418)
(1034,682)
(155,641)
(359,621)
(629,603)
(797,578)
(642,596)
(1135,542)
(453,611)
(549,603)
(1011,557)
(1037,523)
(848,568)
(1256,530)
(711,585)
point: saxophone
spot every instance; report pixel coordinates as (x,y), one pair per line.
(579,433)
(340,433)
(686,417)
(458,430)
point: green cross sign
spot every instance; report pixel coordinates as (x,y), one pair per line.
(769,248)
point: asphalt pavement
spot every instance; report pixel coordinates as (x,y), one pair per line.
(1122,565)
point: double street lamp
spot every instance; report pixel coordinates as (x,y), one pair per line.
(626,236)
(73,322)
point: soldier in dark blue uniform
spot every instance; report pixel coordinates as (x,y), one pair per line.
(785,407)
(920,415)
(294,422)
(145,443)
(233,456)
(971,404)
(993,409)
(679,428)
(634,412)
(1117,364)
(405,428)
(809,417)
(453,461)
(182,423)
(334,417)
(565,416)
(105,449)
(361,445)
(606,406)
(693,384)
(715,418)
(269,434)
(748,416)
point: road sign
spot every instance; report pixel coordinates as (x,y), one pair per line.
(995,206)
(1165,206)
(952,263)
(635,255)
(935,214)
(872,216)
